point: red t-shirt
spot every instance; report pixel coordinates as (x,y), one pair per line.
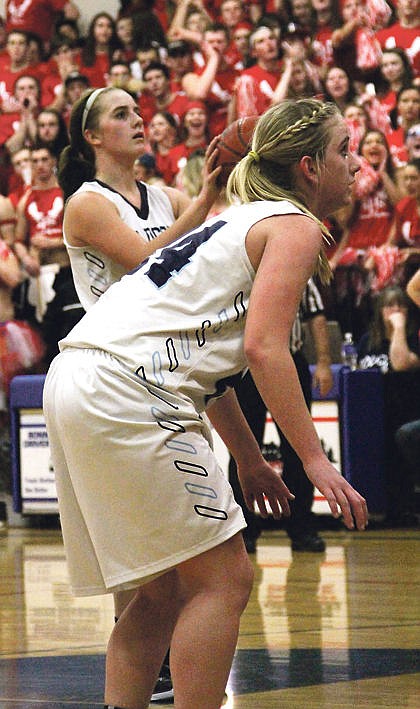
(8,77)
(177,158)
(254,90)
(407,222)
(148,108)
(396,143)
(44,212)
(33,16)
(407,38)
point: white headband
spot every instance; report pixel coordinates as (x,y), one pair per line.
(88,105)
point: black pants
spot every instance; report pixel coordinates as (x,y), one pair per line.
(301,520)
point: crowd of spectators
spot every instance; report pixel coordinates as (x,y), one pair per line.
(194,66)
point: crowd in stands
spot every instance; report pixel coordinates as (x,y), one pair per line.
(194,66)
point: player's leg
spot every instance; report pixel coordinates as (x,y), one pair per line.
(214,589)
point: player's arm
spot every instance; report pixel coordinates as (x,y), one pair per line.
(413,288)
(262,481)
(284,250)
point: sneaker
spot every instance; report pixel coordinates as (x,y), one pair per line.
(163,689)
(308,542)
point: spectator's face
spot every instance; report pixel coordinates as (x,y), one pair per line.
(43,165)
(241,39)
(17,47)
(217,40)
(231,13)
(196,22)
(410,180)
(146,57)
(409,105)
(409,9)
(157,83)
(302,11)
(125,30)
(102,30)
(265,45)
(180,63)
(26,88)
(356,114)
(159,129)
(48,126)
(321,5)
(349,10)
(195,120)
(337,83)
(374,149)
(64,55)
(413,142)
(119,75)
(392,67)
(74,90)
(21,161)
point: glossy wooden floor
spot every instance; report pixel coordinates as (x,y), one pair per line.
(340,629)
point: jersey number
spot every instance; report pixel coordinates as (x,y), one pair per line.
(173,258)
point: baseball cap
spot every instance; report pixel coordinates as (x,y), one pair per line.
(178,47)
(76,76)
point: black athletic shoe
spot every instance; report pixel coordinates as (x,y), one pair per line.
(308,542)
(163,689)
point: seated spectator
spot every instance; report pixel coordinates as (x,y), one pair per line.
(145,170)
(163,135)
(21,176)
(403,117)
(65,28)
(150,20)
(180,61)
(75,84)
(300,78)
(404,33)
(51,131)
(63,61)
(255,86)
(213,83)
(355,47)
(18,129)
(189,22)
(38,16)
(338,87)
(158,95)
(193,134)
(120,76)
(40,248)
(325,20)
(357,120)
(392,344)
(367,227)
(21,347)
(124,28)
(100,49)
(7,220)
(395,73)
(406,230)
(13,64)
(145,55)
(412,142)
(241,41)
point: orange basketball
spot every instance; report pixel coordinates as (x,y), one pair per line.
(234,144)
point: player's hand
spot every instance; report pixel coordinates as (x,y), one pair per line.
(339,494)
(263,485)
(211,171)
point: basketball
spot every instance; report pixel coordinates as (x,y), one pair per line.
(234,144)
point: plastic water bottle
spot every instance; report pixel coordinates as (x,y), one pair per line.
(349,351)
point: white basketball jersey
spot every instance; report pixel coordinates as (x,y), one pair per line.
(177,322)
(93,271)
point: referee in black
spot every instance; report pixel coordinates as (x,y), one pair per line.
(300,526)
